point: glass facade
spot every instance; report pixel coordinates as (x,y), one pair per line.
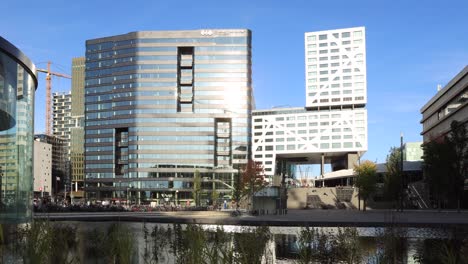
(17,86)
(160,106)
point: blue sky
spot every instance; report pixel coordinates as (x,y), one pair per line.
(411,46)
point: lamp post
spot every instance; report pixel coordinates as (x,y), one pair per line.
(177,197)
(401,171)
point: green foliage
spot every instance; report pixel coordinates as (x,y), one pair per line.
(250,245)
(446,165)
(453,250)
(120,243)
(197,187)
(214,196)
(318,246)
(41,242)
(366,179)
(155,243)
(393,246)
(393,178)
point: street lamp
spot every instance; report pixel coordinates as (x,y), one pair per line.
(401,171)
(177,197)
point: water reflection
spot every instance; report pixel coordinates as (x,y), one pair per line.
(104,242)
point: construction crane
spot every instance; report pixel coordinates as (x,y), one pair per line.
(48,94)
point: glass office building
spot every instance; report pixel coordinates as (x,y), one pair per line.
(18,82)
(162,105)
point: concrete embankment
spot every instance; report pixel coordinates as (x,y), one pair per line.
(373,218)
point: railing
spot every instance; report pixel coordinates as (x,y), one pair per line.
(421,203)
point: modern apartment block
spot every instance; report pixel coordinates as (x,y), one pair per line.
(62,124)
(449,104)
(77,129)
(162,105)
(62,121)
(332,127)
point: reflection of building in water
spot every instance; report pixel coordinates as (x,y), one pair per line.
(160,106)
(17,86)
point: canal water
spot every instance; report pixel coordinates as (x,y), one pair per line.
(131,242)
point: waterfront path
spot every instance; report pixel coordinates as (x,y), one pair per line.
(371,218)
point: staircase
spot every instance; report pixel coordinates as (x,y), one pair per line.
(417,192)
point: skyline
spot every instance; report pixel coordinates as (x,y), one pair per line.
(405,60)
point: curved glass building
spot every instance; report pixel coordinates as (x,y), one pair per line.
(18,82)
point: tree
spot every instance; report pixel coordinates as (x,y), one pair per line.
(197,187)
(394,176)
(458,140)
(252,180)
(446,164)
(366,179)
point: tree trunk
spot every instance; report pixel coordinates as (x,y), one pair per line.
(364,204)
(359,202)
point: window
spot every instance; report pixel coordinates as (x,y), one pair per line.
(334,50)
(357,34)
(280,147)
(323,51)
(312,52)
(323,37)
(347,42)
(311,46)
(280,140)
(268,148)
(323,58)
(357,41)
(313,38)
(311,67)
(311,59)
(334,57)
(291,147)
(323,45)
(336,145)
(345,34)
(279,119)
(279,132)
